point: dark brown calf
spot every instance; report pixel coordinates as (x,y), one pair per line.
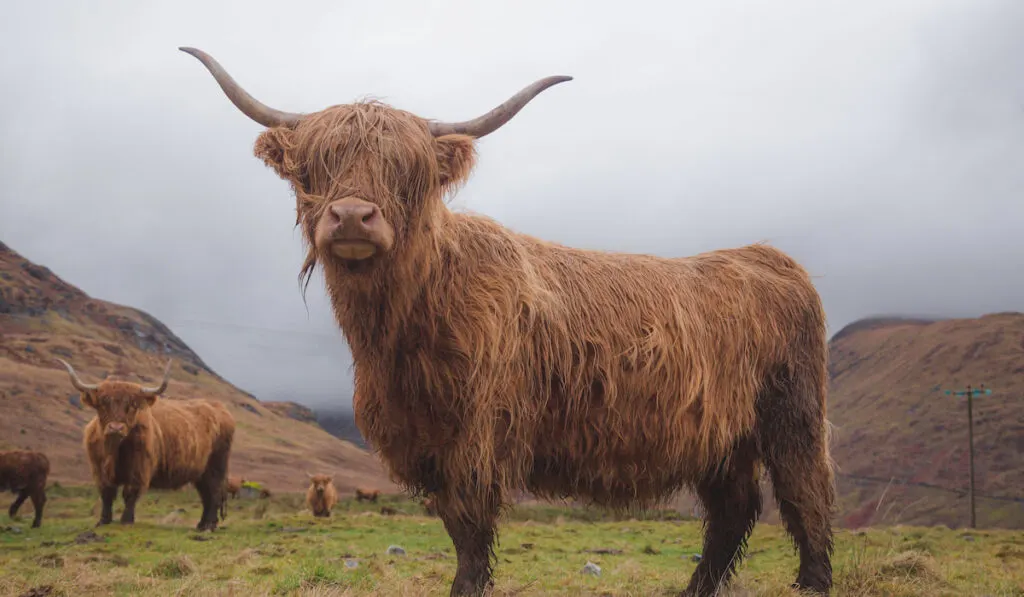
(367,495)
(24,473)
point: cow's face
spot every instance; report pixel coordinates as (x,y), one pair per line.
(368,179)
(319,483)
(118,404)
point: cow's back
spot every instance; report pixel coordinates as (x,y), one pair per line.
(188,432)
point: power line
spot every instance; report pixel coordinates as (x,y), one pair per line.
(932,486)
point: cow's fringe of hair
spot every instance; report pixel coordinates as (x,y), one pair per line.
(489,361)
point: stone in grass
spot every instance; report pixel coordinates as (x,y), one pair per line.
(352,564)
(394,550)
(592,568)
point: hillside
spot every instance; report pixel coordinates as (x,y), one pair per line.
(42,317)
(894,421)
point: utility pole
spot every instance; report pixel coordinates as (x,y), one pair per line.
(970,392)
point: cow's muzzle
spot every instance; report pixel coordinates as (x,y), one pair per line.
(116,430)
(353,229)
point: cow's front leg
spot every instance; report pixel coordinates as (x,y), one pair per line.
(107,495)
(130,494)
(471,521)
(136,486)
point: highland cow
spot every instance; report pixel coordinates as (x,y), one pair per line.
(489,362)
(321,495)
(428,506)
(24,472)
(139,442)
(233,486)
(367,495)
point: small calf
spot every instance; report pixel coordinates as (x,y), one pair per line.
(24,473)
(367,495)
(321,495)
(234,486)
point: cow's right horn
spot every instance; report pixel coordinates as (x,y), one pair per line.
(249,105)
(75,381)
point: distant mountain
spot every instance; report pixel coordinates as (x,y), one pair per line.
(341,424)
(43,317)
(895,422)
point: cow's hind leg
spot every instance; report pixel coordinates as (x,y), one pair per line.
(18,501)
(211,487)
(38,501)
(731,498)
(793,436)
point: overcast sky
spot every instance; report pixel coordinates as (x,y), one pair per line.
(881,143)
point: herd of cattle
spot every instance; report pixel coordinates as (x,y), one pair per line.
(137,442)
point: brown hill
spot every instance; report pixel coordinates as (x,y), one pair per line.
(895,423)
(43,317)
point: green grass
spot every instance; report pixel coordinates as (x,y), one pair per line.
(272,547)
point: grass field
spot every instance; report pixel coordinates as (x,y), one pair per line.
(272,547)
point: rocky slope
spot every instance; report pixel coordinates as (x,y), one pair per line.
(42,317)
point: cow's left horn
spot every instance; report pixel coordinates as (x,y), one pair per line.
(75,381)
(493,120)
(163,384)
(249,105)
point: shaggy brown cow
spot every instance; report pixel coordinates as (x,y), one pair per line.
(367,495)
(140,442)
(234,486)
(429,507)
(488,361)
(321,495)
(24,472)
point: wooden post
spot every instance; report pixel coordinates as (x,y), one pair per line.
(970,442)
(970,392)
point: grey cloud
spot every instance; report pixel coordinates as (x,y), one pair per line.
(881,144)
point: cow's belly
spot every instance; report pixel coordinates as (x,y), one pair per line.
(614,460)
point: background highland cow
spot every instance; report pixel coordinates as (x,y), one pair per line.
(321,495)
(24,473)
(526,365)
(139,442)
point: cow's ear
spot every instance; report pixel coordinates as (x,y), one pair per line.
(456,156)
(275,146)
(150,400)
(89,399)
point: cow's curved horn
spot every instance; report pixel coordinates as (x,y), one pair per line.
(249,105)
(75,381)
(493,120)
(163,384)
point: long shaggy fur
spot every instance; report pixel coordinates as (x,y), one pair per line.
(24,472)
(169,444)
(488,361)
